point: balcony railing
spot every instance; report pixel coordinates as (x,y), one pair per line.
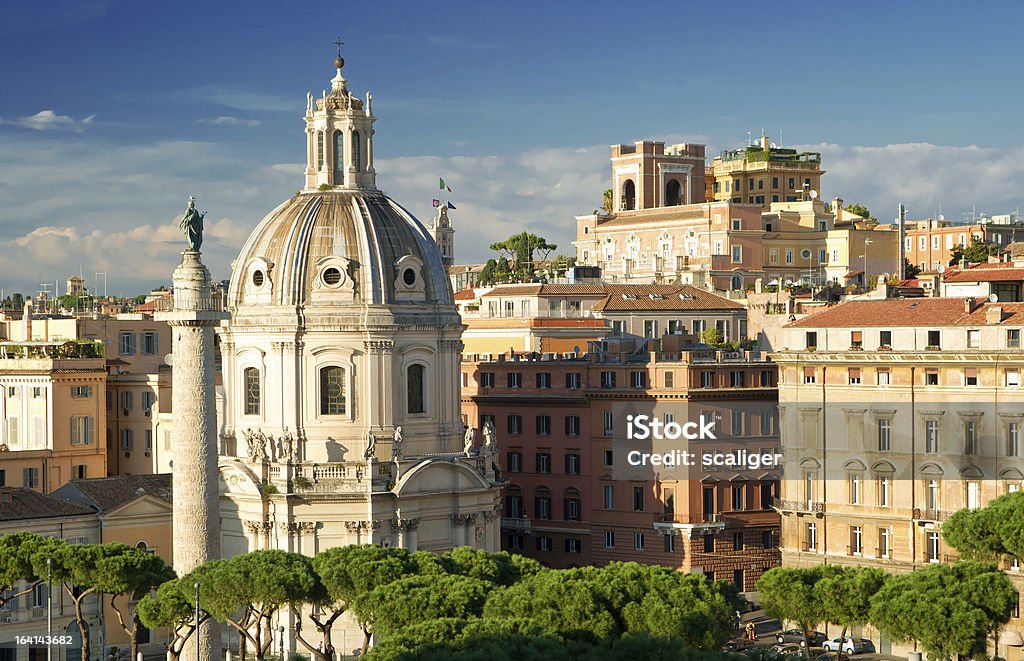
(815,507)
(930,514)
(516,524)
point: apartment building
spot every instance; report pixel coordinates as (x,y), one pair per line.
(572,497)
(132,510)
(51,408)
(762,174)
(138,381)
(930,244)
(894,414)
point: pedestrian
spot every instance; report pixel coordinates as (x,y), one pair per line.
(751,633)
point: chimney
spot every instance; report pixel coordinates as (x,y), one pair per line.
(26,319)
(969,304)
(837,208)
(765,143)
(993,314)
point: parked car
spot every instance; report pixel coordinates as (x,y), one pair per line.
(848,645)
(816,638)
(787,650)
(737,645)
(831,656)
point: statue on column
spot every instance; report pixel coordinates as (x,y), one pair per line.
(468,440)
(192,225)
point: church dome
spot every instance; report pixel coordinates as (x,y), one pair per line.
(339,247)
(340,240)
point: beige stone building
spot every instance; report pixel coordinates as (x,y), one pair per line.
(138,382)
(894,414)
(763,174)
(133,510)
(52,411)
(341,421)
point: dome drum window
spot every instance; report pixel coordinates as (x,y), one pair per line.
(256,283)
(333,280)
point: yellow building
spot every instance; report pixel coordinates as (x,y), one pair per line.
(763,174)
(51,406)
(894,414)
(808,242)
(133,510)
(138,382)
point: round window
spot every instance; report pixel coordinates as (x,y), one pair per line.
(409,277)
(332,276)
(257,278)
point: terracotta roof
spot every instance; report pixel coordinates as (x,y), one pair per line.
(107,493)
(465,295)
(887,312)
(538,289)
(1013,314)
(1001,272)
(18,504)
(662,298)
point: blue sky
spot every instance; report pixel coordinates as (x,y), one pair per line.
(112,113)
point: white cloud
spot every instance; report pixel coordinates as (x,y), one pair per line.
(924,176)
(48,120)
(110,207)
(230,120)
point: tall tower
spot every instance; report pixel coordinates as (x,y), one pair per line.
(196,514)
(339,137)
(444,236)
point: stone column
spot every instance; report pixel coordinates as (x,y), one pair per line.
(196,513)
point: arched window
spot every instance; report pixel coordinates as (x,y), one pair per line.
(672,190)
(356,144)
(320,150)
(414,388)
(252,391)
(339,152)
(737,283)
(332,390)
(628,195)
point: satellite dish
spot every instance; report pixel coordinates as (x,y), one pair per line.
(941,217)
(772,145)
(169,359)
(992,298)
(576,349)
(813,194)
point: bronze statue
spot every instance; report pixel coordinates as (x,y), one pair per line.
(192,225)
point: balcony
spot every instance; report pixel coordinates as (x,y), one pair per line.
(801,506)
(523,524)
(930,514)
(51,350)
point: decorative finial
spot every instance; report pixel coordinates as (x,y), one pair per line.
(339,61)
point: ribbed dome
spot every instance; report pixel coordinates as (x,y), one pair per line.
(339,247)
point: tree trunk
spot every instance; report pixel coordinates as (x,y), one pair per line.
(842,639)
(135,637)
(366,641)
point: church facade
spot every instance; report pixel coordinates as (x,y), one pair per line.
(341,366)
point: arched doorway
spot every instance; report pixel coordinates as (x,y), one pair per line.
(628,195)
(672,193)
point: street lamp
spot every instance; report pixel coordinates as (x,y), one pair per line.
(196,586)
(49,609)
(280,630)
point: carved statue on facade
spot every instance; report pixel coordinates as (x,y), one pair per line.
(371,445)
(287,444)
(192,225)
(396,444)
(490,441)
(256,444)
(468,440)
